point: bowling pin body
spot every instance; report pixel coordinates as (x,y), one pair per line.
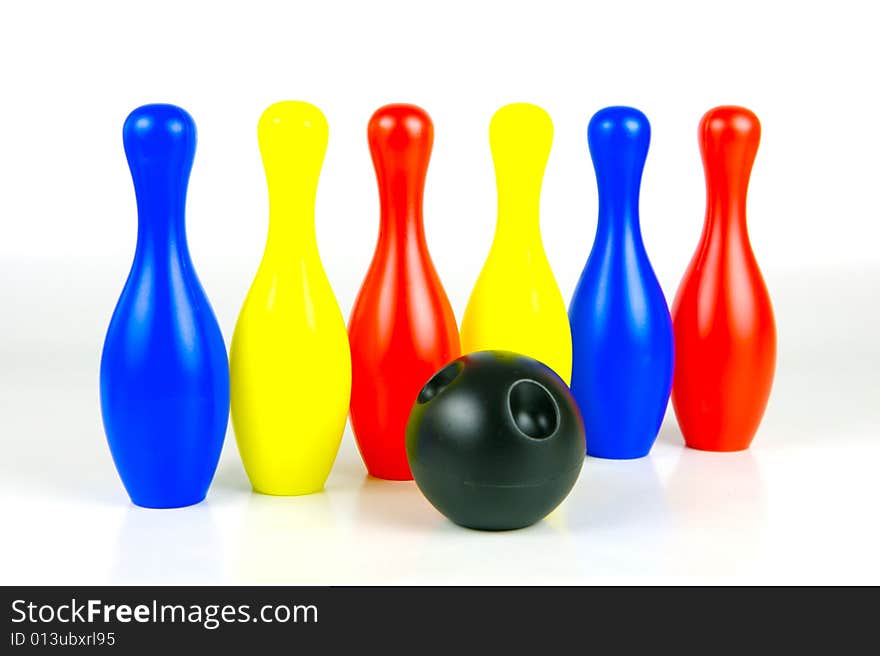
(516,304)
(725,334)
(164,374)
(402,327)
(620,325)
(289,361)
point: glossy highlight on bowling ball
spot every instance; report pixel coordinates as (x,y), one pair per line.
(495,440)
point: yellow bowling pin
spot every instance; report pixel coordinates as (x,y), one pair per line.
(516,304)
(290,365)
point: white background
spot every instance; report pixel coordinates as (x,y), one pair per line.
(800,506)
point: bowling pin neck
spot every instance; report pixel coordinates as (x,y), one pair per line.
(291,215)
(161,223)
(519,205)
(161,205)
(293,139)
(618,207)
(729,138)
(520,136)
(519,219)
(400,137)
(161,216)
(517,227)
(403,229)
(401,192)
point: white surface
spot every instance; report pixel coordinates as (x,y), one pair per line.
(801,506)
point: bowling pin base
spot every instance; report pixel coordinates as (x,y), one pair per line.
(167,504)
(287,490)
(719,448)
(389,474)
(274,478)
(385,464)
(617,455)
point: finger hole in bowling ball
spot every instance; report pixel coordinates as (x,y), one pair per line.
(533,409)
(440,381)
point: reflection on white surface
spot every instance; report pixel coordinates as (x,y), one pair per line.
(155,546)
(623,498)
(280,539)
(395,506)
(616,493)
(718,506)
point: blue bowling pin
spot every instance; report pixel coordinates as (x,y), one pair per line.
(164,372)
(620,325)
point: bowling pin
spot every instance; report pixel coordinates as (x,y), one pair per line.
(402,328)
(516,304)
(164,375)
(725,335)
(289,361)
(620,325)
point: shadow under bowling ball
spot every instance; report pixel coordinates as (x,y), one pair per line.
(495,440)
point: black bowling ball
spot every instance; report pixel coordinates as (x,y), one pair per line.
(495,440)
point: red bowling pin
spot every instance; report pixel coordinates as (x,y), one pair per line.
(402,329)
(725,335)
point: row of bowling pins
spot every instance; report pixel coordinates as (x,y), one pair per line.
(294,371)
